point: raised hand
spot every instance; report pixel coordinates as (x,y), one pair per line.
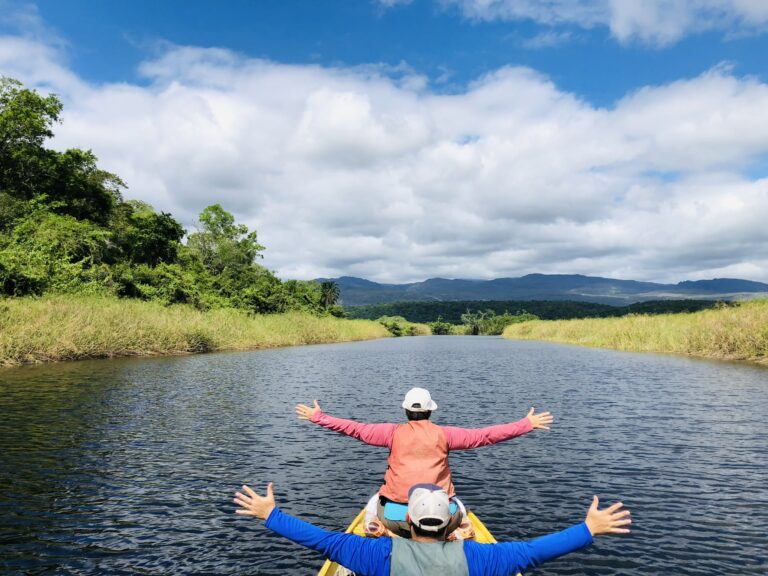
(542,420)
(251,504)
(304,412)
(609,520)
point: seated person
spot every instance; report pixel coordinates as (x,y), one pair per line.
(418,452)
(427,553)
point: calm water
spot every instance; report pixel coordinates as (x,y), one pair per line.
(128,466)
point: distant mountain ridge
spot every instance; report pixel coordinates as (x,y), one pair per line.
(358,291)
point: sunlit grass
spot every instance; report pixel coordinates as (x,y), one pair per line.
(76,327)
(732,333)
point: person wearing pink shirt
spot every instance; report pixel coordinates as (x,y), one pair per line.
(418,450)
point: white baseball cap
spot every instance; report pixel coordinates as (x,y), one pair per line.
(428,507)
(419,400)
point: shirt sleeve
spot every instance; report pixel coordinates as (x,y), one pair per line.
(512,557)
(373,434)
(364,556)
(465,438)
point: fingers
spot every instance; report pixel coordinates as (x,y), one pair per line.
(615,527)
(241,496)
(613,507)
(624,522)
(250,492)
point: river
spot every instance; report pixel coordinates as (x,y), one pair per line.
(128,466)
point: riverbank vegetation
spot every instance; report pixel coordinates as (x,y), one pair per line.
(451,312)
(75,327)
(399,326)
(735,332)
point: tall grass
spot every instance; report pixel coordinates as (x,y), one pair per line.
(77,327)
(733,333)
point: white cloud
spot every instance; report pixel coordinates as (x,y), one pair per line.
(346,171)
(547,39)
(656,22)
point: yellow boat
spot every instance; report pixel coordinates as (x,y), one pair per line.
(357,527)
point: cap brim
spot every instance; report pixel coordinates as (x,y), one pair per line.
(431,406)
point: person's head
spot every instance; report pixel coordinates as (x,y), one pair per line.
(418,404)
(428,510)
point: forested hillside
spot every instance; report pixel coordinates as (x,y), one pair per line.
(546,310)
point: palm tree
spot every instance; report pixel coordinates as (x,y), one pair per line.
(329,293)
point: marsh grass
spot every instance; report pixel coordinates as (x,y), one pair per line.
(728,333)
(56,328)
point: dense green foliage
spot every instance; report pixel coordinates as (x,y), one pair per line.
(451,312)
(488,323)
(441,328)
(65,229)
(399,326)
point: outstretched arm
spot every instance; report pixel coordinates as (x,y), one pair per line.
(362,555)
(466,438)
(373,434)
(511,557)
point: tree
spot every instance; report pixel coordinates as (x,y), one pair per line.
(70,182)
(221,243)
(329,294)
(26,119)
(145,237)
(78,187)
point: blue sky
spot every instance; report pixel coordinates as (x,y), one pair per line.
(402,140)
(107,40)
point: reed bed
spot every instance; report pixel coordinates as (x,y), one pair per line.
(728,333)
(54,328)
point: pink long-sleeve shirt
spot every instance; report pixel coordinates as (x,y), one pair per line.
(419,448)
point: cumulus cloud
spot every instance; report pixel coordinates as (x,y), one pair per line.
(656,22)
(348,171)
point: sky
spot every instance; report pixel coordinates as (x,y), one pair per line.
(402,140)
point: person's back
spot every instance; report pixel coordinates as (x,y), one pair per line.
(413,558)
(419,453)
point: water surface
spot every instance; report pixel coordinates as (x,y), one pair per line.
(128,466)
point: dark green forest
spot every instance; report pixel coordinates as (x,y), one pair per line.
(452,312)
(65,228)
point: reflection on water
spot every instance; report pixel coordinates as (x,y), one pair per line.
(128,466)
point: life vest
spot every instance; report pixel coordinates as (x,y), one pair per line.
(411,558)
(419,455)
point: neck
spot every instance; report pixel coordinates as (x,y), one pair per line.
(425,539)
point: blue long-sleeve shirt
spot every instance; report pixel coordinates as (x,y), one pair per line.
(372,556)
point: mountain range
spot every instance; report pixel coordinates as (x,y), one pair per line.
(358,291)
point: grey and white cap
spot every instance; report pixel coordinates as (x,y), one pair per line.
(428,507)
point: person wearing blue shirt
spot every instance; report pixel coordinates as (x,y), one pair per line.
(427,553)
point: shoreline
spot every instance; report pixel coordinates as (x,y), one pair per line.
(731,334)
(67,328)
